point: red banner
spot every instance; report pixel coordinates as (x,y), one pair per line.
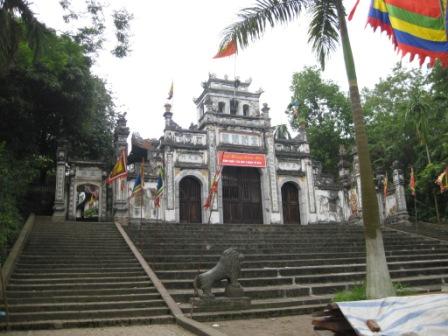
(242,159)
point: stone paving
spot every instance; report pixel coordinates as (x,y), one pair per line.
(299,325)
(279,326)
(144,330)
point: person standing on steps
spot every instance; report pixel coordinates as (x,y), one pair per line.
(81,203)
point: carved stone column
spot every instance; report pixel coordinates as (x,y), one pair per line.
(271,168)
(59,207)
(170,214)
(402,211)
(120,192)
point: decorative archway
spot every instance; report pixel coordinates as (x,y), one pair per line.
(241,195)
(190,208)
(290,203)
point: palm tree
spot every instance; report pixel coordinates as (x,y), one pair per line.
(328,17)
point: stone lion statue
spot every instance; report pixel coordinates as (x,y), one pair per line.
(228,267)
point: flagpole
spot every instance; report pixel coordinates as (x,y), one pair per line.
(415,213)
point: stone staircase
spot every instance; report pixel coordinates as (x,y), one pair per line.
(287,269)
(79,274)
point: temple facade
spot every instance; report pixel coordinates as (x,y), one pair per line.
(263,178)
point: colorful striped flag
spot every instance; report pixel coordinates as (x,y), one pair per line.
(417,28)
(139,181)
(119,170)
(227,49)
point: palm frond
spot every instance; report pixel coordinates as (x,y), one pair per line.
(253,21)
(323,31)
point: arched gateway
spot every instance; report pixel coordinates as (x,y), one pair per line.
(290,201)
(241,195)
(190,200)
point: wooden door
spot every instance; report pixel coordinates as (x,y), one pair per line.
(241,195)
(190,200)
(290,200)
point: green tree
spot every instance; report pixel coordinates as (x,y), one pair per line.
(406,121)
(326,112)
(327,18)
(42,99)
(418,114)
(17,21)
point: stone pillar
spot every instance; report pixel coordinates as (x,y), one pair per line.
(217,214)
(357,178)
(344,179)
(59,207)
(120,192)
(271,168)
(170,213)
(398,180)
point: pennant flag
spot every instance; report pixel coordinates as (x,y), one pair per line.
(415,27)
(139,181)
(385,182)
(412,182)
(119,170)
(214,184)
(160,187)
(171,92)
(442,180)
(227,49)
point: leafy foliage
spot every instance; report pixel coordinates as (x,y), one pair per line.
(325,109)
(44,98)
(14,180)
(407,122)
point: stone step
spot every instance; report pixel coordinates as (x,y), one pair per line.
(285,249)
(260,260)
(78,273)
(29,255)
(266,303)
(309,279)
(88,314)
(119,280)
(90,322)
(221,246)
(258,313)
(83,298)
(422,283)
(49,293)
(79,286)
(293,271)
(66,264)
(84,306)
(291,263)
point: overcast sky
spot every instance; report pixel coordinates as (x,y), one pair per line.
(176,40)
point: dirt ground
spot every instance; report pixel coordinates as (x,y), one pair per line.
(279,326)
